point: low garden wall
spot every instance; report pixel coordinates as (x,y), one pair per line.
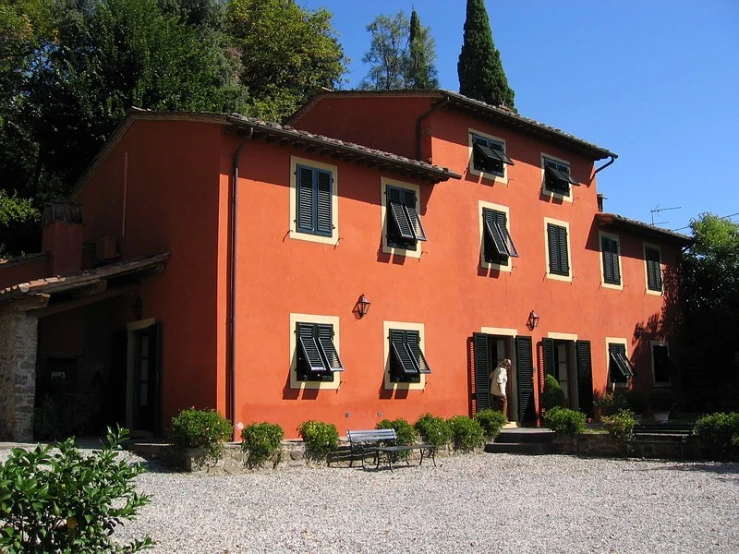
(603,445)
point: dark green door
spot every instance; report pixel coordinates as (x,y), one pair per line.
(147,379)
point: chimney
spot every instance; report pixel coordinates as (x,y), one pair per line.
(62,236)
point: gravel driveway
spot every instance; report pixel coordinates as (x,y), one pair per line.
(473,503)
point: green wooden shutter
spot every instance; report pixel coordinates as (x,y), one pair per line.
(654,270)
(497,243)
(403,357)
(482,371)
(326,343)
(501,222)
(611,269)
(584,377)
(550,366)
(553,245)
(415,221)
(311,352)
(413,342)
(564,262)
(525,379)
(306,204)
(324,225)
(396,199)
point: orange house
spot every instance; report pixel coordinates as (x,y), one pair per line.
(279,275)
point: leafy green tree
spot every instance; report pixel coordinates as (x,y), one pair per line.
(422,51)
(710,295)
(287,54)
(480,69)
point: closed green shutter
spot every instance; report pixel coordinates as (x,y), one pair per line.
(323,203)
(611,269)
(306,205)
(557,245)
(482,371)
(564,262)
(550,366)
(584,377)
(654,269)
(525,379)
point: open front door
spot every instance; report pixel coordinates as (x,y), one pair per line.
(146,372)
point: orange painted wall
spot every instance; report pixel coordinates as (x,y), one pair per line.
(172,204)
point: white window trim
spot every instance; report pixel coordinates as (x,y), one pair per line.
(402,326)
(481,230)
(572,337)
(293,353)
(554,276)
(295,161)
(652,344)
(503,180)
(549,193)
(646,269)
(603,283)
(625,343)
(394,250)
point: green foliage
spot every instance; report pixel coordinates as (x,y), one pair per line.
(565,422)
(64,501)
(621,427)
(320,439)
(206,429)
(491,421)
(553,395)
(421,72)
(260,441)
(433,430)
(406,432)
(467,434)
(287,53)
(611,403)
(719,433)
(480,69)
(15,214)
(638,401)
(660,400)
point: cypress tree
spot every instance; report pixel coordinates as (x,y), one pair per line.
(421,70)
(480,70)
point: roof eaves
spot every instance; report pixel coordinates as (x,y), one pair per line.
(619,221)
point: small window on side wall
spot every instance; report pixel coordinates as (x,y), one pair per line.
(557,178)
(407,362)
(497,241)
(654,268)
(611,265)
(404,227)
(620,369)
(488,156)
(317,357)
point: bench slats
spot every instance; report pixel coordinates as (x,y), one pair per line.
(366,442)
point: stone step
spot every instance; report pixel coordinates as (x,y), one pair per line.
(529,448)
(540,436)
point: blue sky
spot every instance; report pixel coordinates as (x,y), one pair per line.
(655,81)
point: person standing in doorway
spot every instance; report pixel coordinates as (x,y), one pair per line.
(498,384)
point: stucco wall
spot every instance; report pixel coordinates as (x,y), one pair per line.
(17,375)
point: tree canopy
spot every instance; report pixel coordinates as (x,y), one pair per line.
(480,68)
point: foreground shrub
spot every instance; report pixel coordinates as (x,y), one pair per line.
(320,439)
(638,402)
(621,427)
(405,431)
(67,502)
(433,430)
(719,433)
(260,441)
(491,421)
(467,433)
(553,395)
(611,403)
(565,422)
(206,429)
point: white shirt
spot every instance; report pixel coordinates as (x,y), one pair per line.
(499,378)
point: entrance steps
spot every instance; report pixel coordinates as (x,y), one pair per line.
(523,440)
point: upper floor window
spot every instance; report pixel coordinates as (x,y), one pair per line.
(404,226)
(497,243)
(314,205)
(488,155)
(557,178)
(407,362)
(653,268)
(609,247)
(620,369)
(317,358)
(558,250)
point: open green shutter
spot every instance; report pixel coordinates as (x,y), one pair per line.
(525,379)
(413,342)
(326,343)
(306,204)
(549,363)
(309,347)
(402,355)
(415,221)
(402,223)
(584,377)
(482,373)
(323,216)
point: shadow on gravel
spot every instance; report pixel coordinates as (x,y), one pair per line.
(721,468)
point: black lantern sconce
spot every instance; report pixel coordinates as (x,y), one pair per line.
(533,321)
(639,330)
(361,307)
(137,308)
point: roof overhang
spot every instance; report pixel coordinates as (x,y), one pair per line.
(618,222)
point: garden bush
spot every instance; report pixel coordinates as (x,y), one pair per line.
(491,421)
(638,401)
(206,429)
(467,433)
(405,431)
(260,441)
(433,430)
(610,403)
(660,400)
(553,395)
(64,501)
(565,422)
(621,427)
(320,439)
(719,434)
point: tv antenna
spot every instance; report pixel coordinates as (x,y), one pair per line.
(657,210)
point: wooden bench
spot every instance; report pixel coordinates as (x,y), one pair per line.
(383,442)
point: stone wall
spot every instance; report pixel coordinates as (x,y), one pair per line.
(18,333)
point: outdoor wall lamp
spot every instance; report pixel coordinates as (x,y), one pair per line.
(533,321)
(639,330)
(361,307)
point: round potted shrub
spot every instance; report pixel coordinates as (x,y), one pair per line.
(660,401)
